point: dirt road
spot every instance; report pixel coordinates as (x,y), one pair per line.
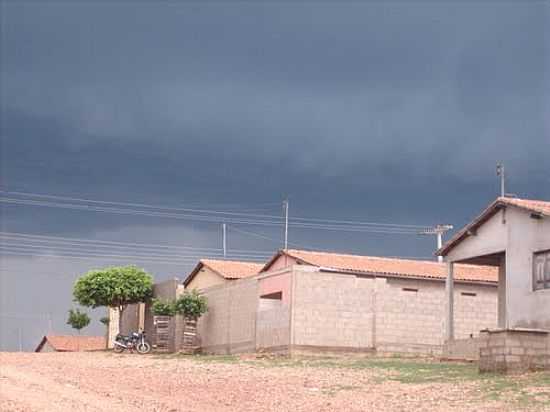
(108,382)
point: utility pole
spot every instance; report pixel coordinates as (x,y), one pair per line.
(285,205)
(50,323)
(438,230)
(20,336)
(224,239)
(500,173)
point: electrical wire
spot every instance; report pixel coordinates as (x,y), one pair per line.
(114,244)
(142,205)
(26,252)
(245,218)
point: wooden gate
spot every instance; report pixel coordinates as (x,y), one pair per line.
(163,327)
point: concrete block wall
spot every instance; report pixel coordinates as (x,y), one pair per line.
(410,316)
(229,326)
(464,349)
(474,313)
(273,326)
(332,310)
(336,310)
(512,351)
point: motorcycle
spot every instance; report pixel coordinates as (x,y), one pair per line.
(136,340)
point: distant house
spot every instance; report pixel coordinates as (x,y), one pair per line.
(210,272)
(70,343)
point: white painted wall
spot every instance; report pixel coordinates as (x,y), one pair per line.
(525,307)
(514,232)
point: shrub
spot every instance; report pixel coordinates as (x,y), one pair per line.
(192,305)
(163,308)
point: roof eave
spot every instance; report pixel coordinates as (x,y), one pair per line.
(193,273)
(398,276)
(471,227)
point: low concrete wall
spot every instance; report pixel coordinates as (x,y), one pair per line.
(515,350)
(463,349)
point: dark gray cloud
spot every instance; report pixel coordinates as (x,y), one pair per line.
(379,112)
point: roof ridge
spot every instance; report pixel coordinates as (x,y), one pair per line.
(366,256)
(229,261)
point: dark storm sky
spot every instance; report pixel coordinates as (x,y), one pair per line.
(368,111)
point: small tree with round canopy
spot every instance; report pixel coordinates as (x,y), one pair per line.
(115,287)
(77,319)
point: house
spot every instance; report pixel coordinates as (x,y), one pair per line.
(51,343)
(513,236)
(210,272)
(304,301)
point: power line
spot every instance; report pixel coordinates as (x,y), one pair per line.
(25,252)
(114,244)
(71,249)
(143,205)
(200,218)
(357,223)
(246,218)
(327,227)
(260,236)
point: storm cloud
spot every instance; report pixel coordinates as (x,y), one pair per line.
(380,112)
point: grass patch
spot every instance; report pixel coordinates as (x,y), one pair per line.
(531,390)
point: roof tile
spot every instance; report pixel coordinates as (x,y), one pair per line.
(231,269)
(395,267)
(74,343)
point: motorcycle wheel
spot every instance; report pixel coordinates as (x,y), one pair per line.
(143,348)
(118,349)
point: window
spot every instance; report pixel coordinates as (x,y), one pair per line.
(274,296)
(541,270)
(410,290)
(468,294)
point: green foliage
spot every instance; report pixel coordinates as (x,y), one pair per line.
(78,319)
(163,308)
(191,304)
(114,287)
(105,320)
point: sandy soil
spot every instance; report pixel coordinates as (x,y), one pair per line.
(108,382)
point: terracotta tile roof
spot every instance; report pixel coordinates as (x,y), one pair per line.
(537,206)
(232,269)
(73,343)
(540,207)
(393,267)
(228,269)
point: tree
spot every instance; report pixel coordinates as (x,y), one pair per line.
(78,320)
(191,305)
(115,287)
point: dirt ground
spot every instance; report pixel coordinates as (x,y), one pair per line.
(104,381)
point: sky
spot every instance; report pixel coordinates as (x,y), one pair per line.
(380,112)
